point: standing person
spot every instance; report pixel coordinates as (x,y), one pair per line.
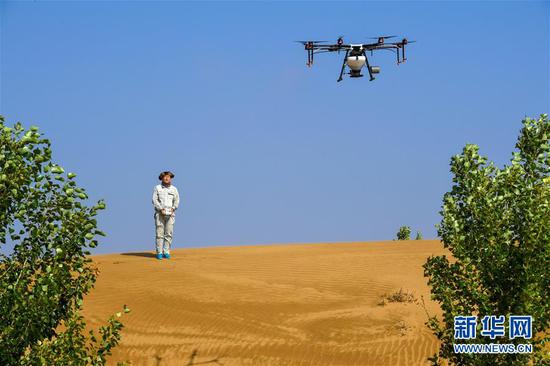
(166,200)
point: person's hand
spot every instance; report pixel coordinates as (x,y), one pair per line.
(162,211)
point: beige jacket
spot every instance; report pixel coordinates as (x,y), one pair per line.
(165,197)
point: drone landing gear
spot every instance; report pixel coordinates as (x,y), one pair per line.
(368,66)
(343,66)
(401,54)
(309,58)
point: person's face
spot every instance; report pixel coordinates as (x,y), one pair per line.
(167,179)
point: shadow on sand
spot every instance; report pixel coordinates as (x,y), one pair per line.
(141,254)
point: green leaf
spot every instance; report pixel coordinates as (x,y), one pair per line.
(57,169)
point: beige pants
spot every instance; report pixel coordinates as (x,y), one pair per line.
(164,229)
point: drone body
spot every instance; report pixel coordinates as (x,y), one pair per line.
(356,54)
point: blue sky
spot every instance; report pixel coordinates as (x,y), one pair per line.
(264,149)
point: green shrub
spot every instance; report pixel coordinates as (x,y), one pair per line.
(418,236)
(404,233)
(496,224)
(43,213)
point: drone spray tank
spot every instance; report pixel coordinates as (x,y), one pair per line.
(355,64)
(356,60)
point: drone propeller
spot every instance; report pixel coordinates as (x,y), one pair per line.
(306,42)
(403,42)
(382,37)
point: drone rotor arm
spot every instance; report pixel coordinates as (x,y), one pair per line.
(323,51)
(369,46)
(332,47)
(392,50)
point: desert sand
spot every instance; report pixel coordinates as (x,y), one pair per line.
(299,304)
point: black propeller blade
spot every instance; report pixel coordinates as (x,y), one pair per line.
(382,37)
(306,42)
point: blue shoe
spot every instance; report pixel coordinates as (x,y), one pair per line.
(167,256)
(159,256)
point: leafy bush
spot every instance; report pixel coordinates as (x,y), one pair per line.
(496,224)
(42,282)
(404,233)
(418,236)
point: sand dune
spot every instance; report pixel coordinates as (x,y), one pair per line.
(303,304)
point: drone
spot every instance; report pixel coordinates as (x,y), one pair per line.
(356,54)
